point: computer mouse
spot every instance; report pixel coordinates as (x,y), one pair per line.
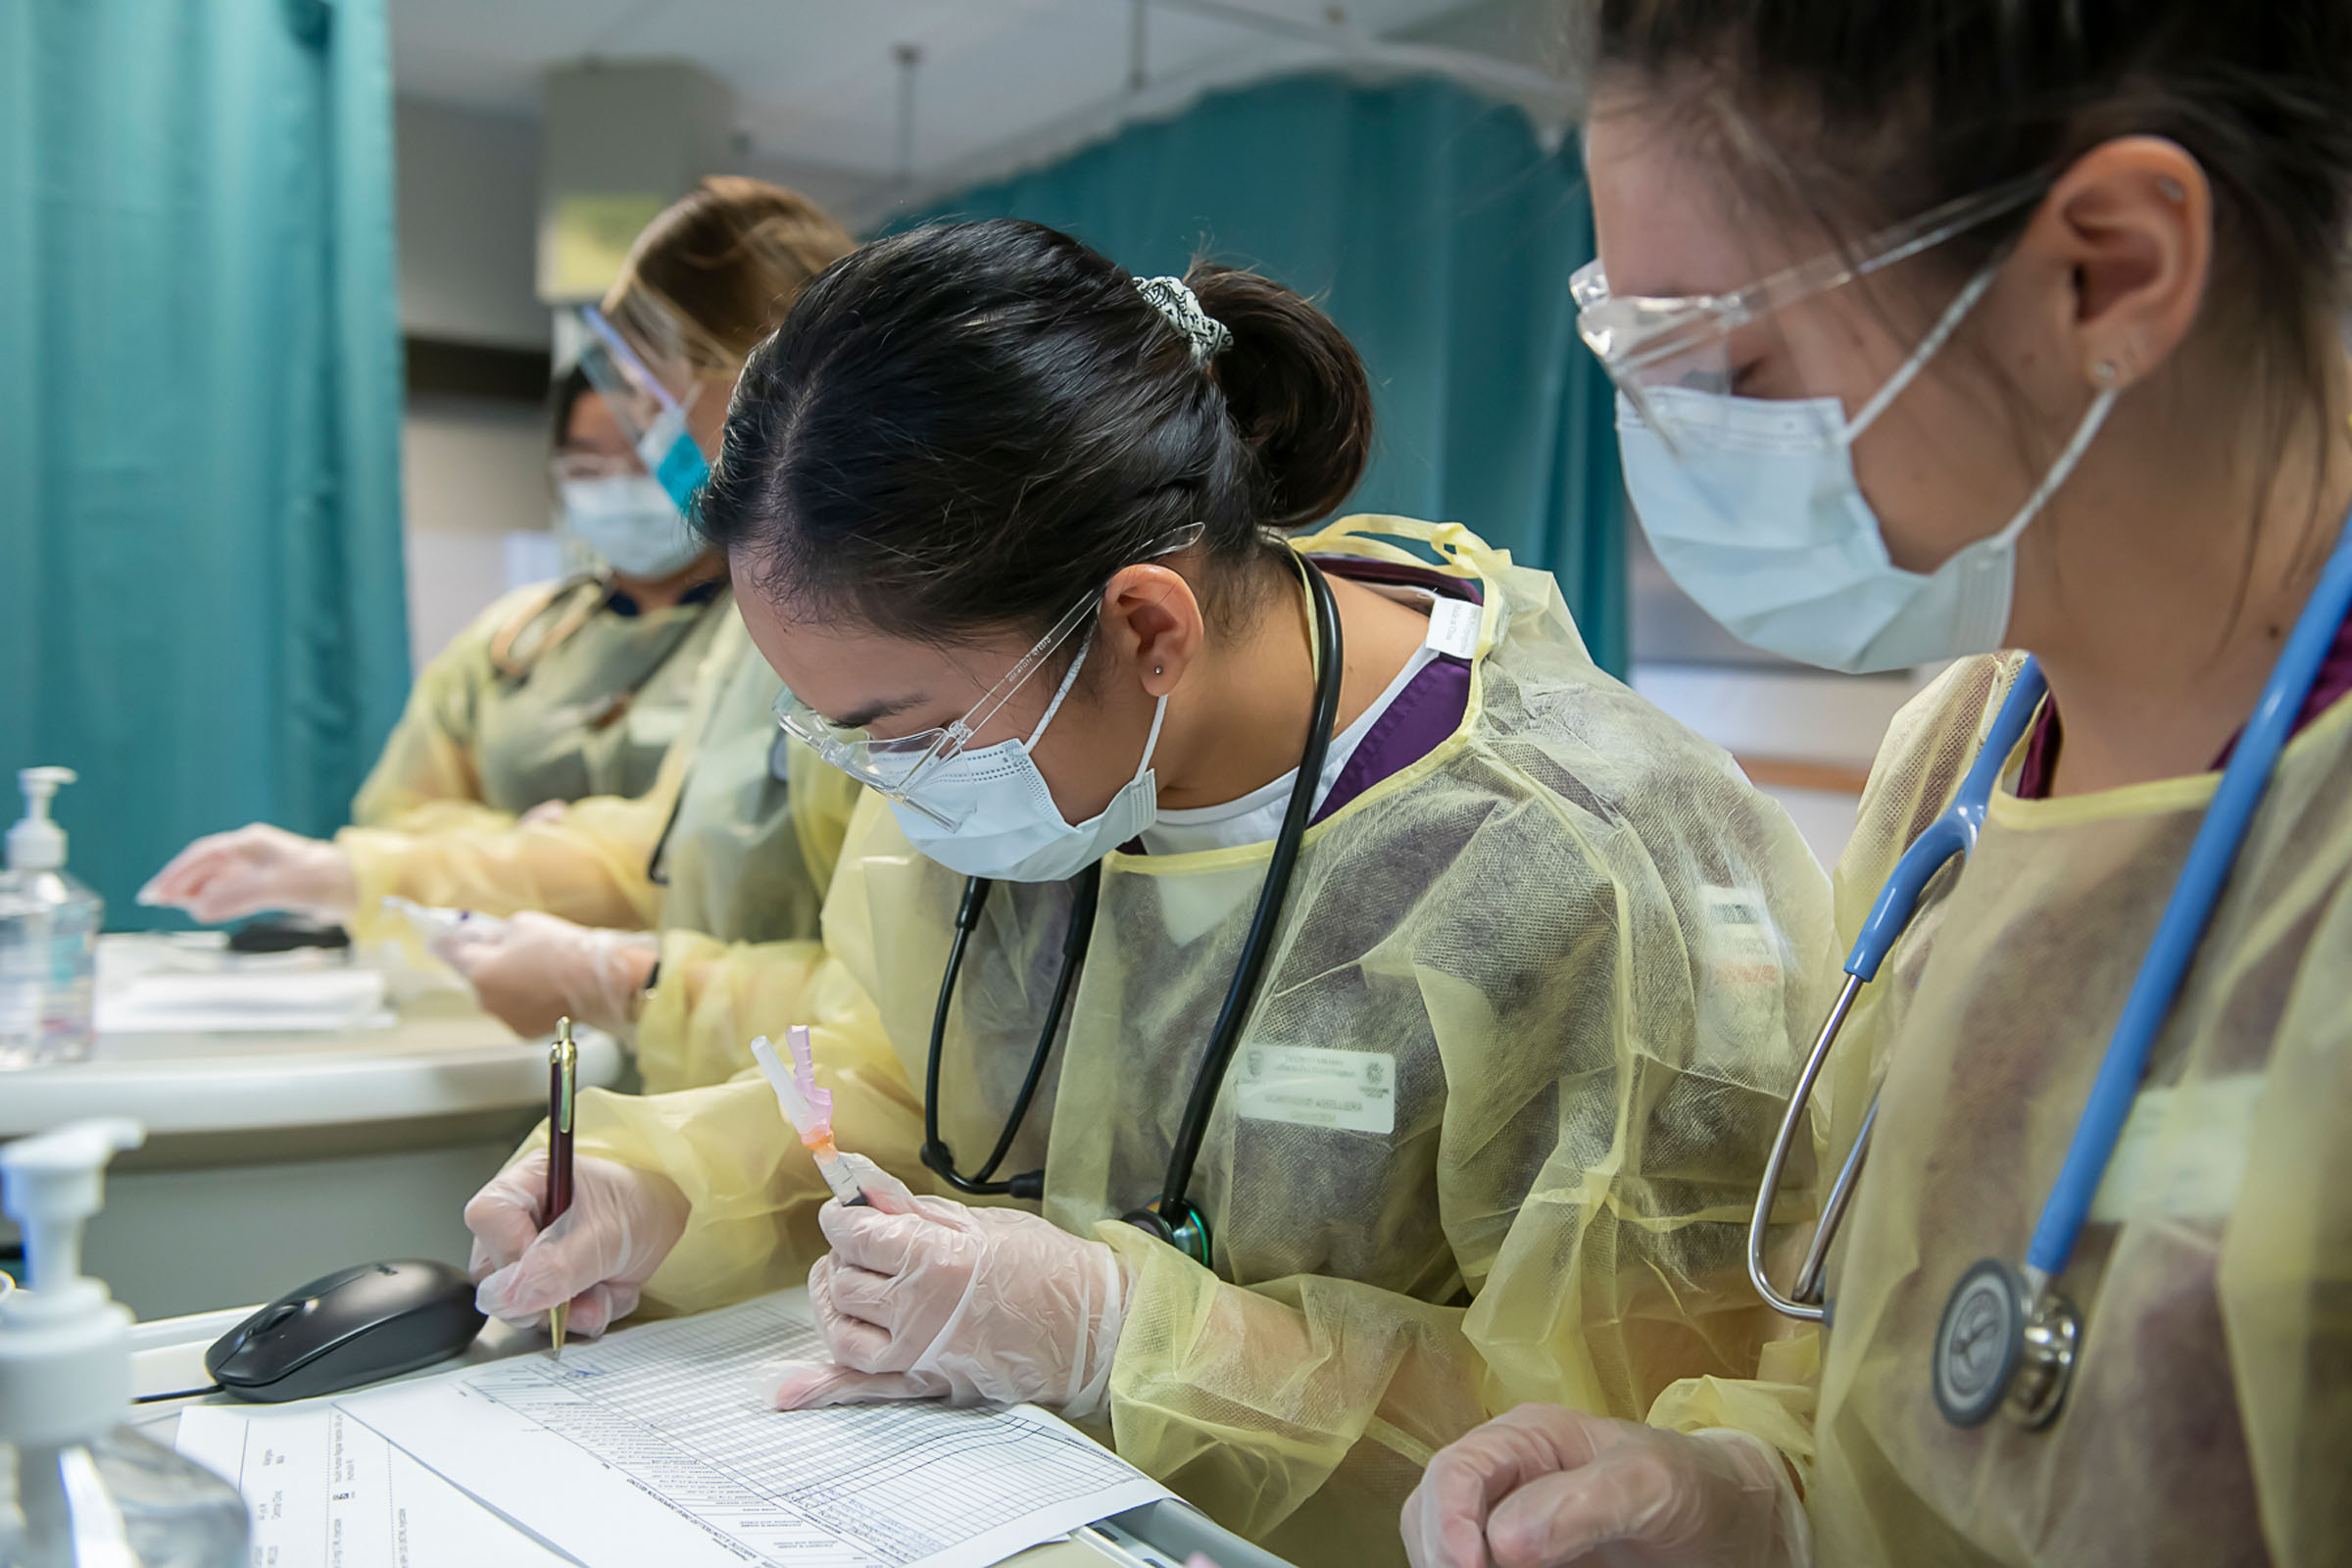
(285,933)
(355,1326)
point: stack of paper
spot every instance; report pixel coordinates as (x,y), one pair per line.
(324,1488)
(243,1003)
(653,1447)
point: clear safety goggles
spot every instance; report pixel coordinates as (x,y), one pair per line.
(899,769)
(569,465)
(1696,341)
(646,377)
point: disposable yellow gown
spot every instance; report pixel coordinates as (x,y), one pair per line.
(1575,943)
(2209,1420)
(741,826)
(599,699)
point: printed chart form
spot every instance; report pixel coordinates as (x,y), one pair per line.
(653,1445)
(322,1488)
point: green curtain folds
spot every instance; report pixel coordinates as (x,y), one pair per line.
(202,604)
(1439,231)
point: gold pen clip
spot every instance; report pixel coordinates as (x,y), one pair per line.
(564,1057)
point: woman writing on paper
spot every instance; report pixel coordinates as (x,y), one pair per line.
(1509,964)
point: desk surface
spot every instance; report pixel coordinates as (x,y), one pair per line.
(443,1058)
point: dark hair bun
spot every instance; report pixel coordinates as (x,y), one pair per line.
(971,427)
(1296,390)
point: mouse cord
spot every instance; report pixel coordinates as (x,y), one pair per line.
(183,1394)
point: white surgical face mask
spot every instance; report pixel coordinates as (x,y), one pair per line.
(631,521)
(1010,830)
(1761,520)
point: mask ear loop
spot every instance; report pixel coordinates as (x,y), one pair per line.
(1159,714)
(2061,470)
(1937,337)
(1055,706)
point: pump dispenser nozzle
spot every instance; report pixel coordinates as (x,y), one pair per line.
(36,843)
(64,1343)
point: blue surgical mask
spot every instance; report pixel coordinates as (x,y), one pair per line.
(1008,827)
(631,521)
(1760,517)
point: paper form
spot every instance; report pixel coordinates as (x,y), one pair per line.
(651,1446)
(327,1491)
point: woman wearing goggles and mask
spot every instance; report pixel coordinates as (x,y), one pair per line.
(561,690)
(1949,327)
(1370,1009)
(632,912)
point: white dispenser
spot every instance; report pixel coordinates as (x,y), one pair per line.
(78,1486)
(49,922)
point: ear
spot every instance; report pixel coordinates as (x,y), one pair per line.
(1152,621)
(2132,219)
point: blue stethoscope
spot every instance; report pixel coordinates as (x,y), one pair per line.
(2006,1337)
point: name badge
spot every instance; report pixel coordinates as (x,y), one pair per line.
(1310,1085)
(655,725)
(2182,1152)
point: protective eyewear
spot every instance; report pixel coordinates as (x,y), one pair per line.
(1649,345)
(649,385)
(898,769)
(566,467)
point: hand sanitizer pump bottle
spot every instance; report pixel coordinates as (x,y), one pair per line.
(79,1488)
(49,921)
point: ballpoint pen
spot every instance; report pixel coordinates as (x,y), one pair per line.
(562,1069)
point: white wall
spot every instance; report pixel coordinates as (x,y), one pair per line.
(469,193)
(473,470)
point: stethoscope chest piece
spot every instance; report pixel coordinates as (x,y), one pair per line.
(1184,1226)
(2003,1342)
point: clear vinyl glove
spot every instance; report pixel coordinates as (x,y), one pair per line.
(597,1255)
(533,968)
(922,1298)
(1542,1486)
(226,876)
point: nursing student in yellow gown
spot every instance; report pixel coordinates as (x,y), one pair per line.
(1489,1124)
(2021,328)
(634,913)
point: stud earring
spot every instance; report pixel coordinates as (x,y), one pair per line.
(2105,372)
(2169,189)
(1155,669)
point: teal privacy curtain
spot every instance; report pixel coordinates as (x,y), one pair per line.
(1437,230)
(201,592)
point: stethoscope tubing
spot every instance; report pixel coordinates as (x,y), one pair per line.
(2163,967)
(2189,912)
(1241,995)
(1953,833)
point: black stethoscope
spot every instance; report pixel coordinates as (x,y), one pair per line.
(1173,1216)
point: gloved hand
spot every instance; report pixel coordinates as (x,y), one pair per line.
(597,1255)
(922,1298)
(225,876)
(533,968)
(1542,1486)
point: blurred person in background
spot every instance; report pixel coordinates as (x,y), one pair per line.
(624,909)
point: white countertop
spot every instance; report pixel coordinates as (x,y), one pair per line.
(442,1057)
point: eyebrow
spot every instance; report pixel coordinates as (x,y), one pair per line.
(864,716)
